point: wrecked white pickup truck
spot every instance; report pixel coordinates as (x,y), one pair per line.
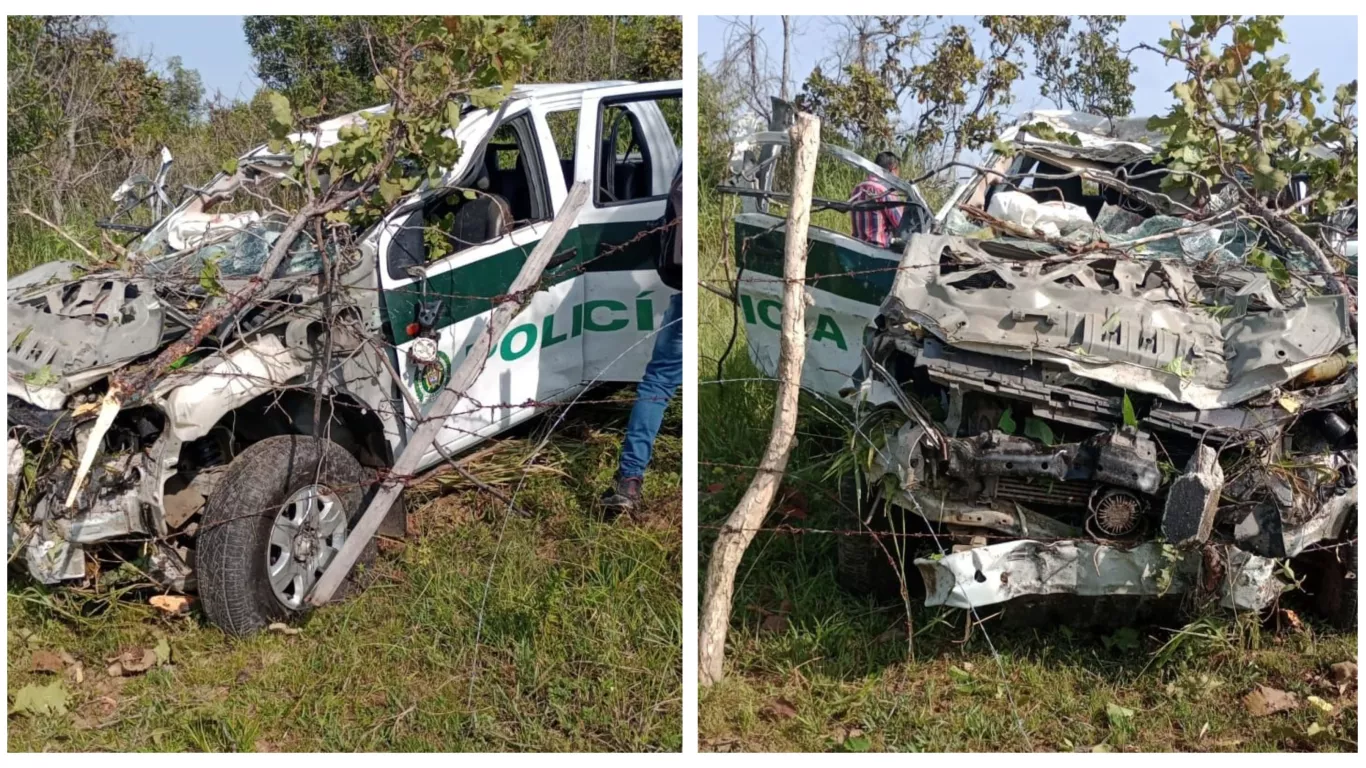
(1074,390)
(239,475)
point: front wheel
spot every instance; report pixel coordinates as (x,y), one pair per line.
(278,518)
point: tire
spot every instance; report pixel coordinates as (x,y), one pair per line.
(858,557)
(1342,610)
(239,543)
(1330,579)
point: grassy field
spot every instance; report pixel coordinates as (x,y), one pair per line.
(580,647)
(810,668)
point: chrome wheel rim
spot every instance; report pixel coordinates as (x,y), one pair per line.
(306,535)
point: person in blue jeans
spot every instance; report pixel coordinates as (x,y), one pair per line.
(662,376)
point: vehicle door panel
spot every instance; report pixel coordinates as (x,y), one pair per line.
(624,298)
(539,358)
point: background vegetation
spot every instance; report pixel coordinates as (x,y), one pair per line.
(82,116)
(480,631)
(812,668)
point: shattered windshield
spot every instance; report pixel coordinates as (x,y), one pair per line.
(242,253)
(227,230)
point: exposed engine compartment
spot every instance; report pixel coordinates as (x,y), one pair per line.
(1031,424)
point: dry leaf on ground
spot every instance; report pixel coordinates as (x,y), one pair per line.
(779,709)
(1262,701)
(174,605)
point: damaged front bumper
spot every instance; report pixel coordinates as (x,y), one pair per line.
(995,573)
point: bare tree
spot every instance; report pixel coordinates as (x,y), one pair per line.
(783,92)
(745,72)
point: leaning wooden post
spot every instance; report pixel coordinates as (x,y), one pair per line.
(749,514)
(461,380)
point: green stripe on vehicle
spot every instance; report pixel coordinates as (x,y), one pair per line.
(469,290)
(842,271)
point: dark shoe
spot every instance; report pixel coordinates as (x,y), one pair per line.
(623,497)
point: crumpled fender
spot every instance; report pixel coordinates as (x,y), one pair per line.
(225,382)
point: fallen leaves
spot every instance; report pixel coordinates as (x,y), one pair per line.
(774,621)
(1117,715)
(135,661)
(172,605)
(47,661)
(779,709)
(57,662)
(1263,700)
(1344,672)
(283,629)
(1319,703)
(34,700)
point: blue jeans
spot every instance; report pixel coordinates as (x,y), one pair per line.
(656,388)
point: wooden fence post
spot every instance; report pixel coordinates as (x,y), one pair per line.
(749,514)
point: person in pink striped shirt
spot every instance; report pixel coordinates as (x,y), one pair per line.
(877,225)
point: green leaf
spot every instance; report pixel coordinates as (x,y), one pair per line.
(857,744)
(281,118)
(1130,420)
(42,377)
(1124,639)
(1006,423)
(1274,268)
(452,115)
(389,190)
(34,700)
(230,166)
(486,98)
(1039,430)
(208,278)
(1118,715)
(163,652)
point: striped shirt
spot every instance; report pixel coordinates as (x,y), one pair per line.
(875,225)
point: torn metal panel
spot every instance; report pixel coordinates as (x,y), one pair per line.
(1141,331)
(1113,140)
(224,382)
(996,573)
(73,327)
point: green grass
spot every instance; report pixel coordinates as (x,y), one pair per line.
(31,244)
(580,647)
(834,674)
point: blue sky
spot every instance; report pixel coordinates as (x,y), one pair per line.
(214,45)
(1326,43)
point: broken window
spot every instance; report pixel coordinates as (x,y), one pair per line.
(628,153)
(564,132)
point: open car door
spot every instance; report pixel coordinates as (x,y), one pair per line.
(632,133)
(442,263)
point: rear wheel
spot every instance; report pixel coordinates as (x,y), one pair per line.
(277,520)
(1338,595)
(858,554)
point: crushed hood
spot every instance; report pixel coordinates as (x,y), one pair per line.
(62,334)
(1143,325)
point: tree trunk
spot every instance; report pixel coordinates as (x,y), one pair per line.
(787,58)
(612,56)
(464,376)
(749,514)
